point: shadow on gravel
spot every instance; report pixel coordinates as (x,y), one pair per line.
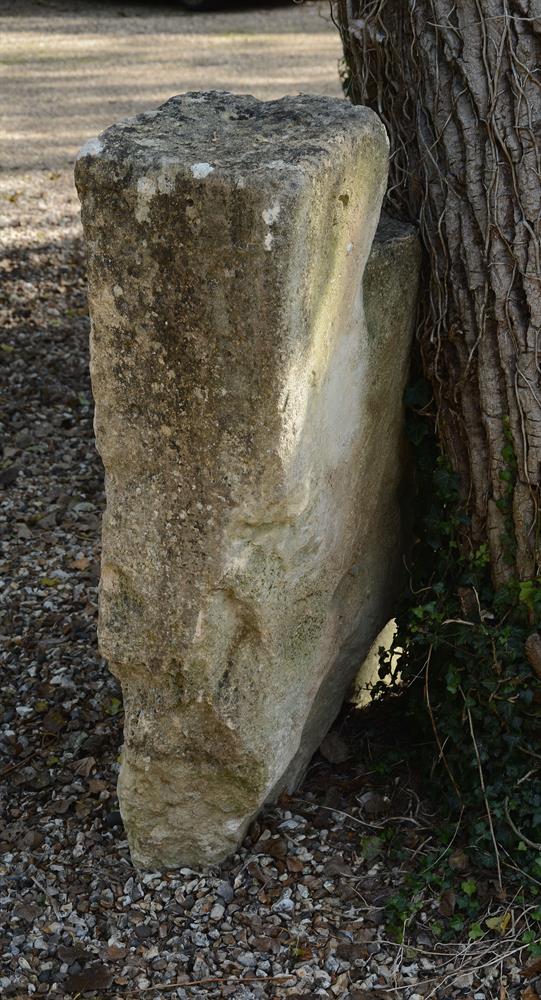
(58,704)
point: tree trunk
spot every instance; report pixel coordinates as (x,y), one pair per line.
(457,86)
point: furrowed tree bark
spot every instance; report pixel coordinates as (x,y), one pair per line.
(457,85)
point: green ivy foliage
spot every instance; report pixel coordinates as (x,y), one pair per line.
(458,660)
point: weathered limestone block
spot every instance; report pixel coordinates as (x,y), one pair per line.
(249,423)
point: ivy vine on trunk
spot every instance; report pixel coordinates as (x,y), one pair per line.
(457,85)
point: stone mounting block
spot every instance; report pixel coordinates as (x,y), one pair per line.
(249,421)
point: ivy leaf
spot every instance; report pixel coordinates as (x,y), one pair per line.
(371,848)
(500,923)
(476,932)
(114,706)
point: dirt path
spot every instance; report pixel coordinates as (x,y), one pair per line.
(69,70)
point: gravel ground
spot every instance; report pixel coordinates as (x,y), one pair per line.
(301,909)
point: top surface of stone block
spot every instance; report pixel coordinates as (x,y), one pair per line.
(230,134)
